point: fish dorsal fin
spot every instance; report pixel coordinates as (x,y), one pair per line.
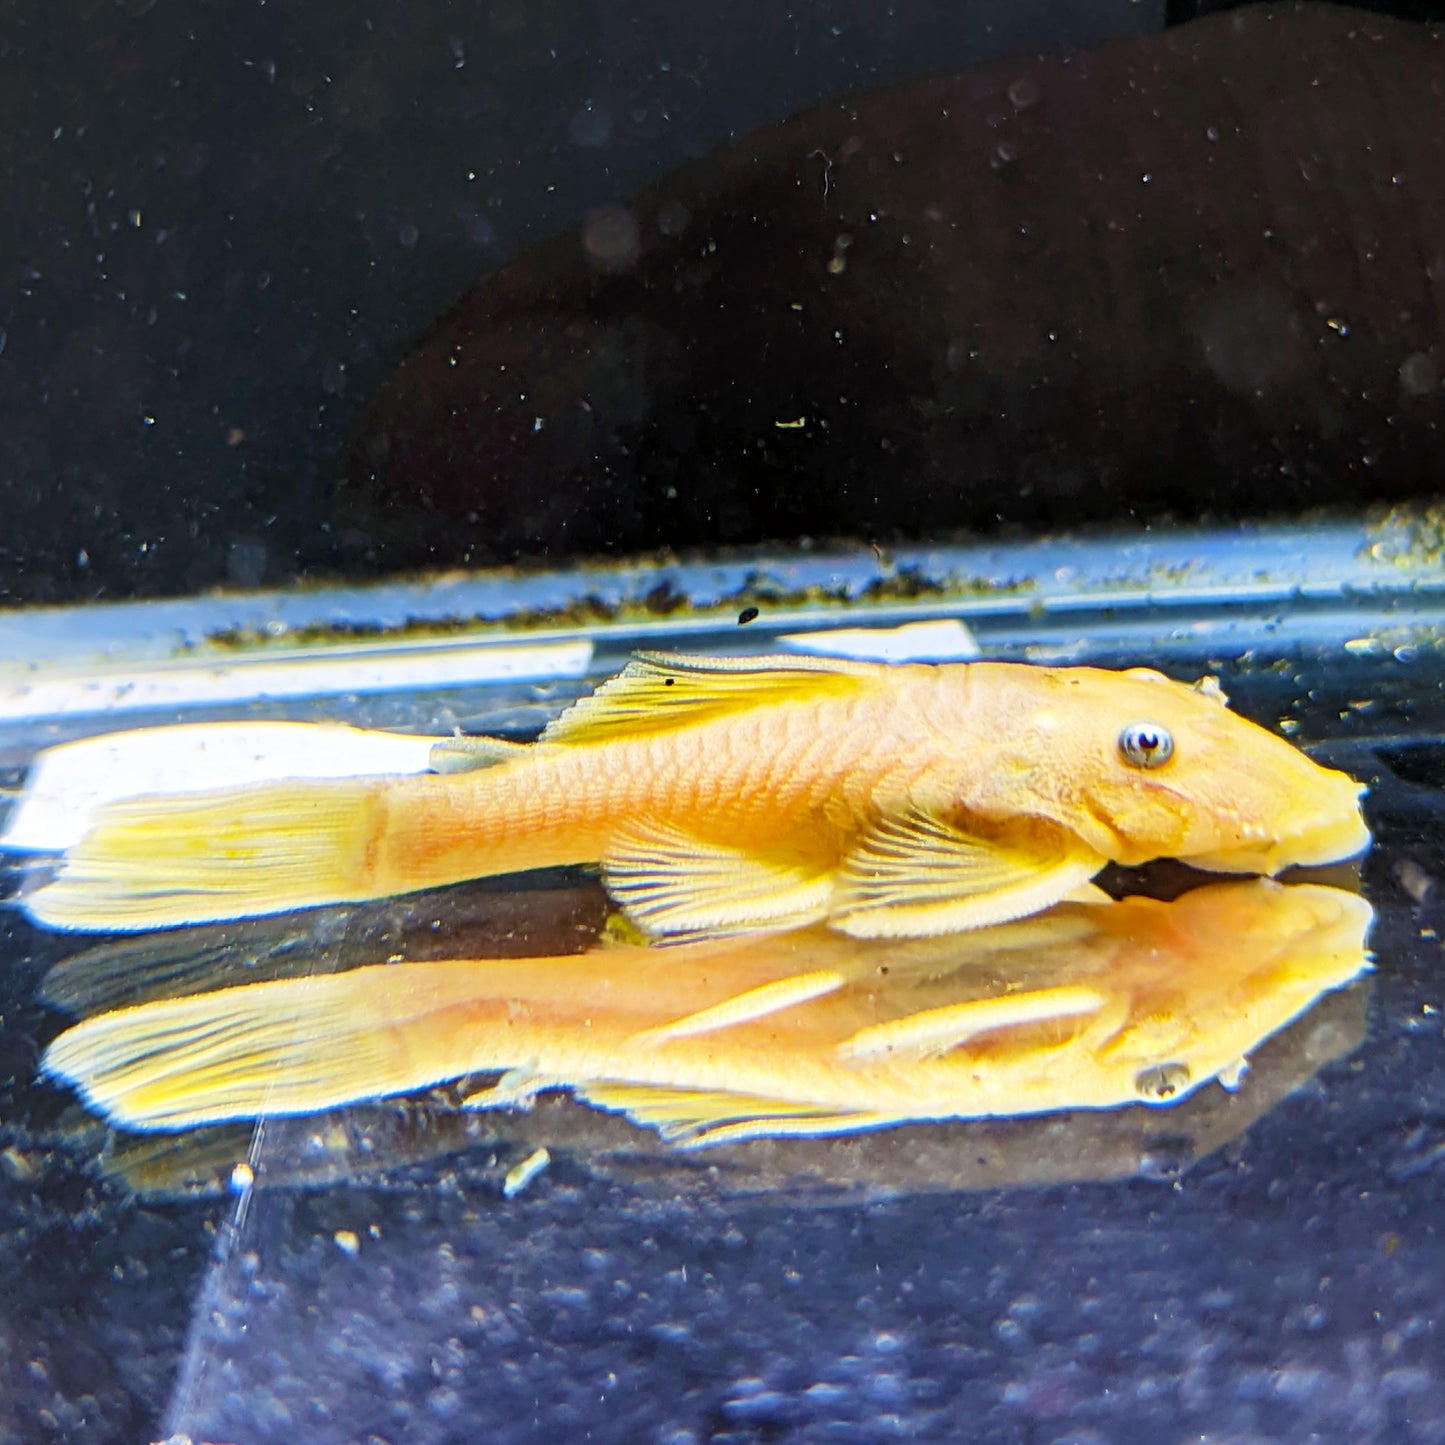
(659,691)
(674,885)
(918,875)
(700,1116)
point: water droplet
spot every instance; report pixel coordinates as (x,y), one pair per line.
(610,239)
(480,231)
(672,218)
(1022,93)
(1419,375)
(591,125)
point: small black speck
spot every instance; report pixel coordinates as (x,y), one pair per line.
(748,614)
(668,681)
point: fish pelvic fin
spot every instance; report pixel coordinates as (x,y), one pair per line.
(694,1118)
(918,875)
(659,691)
(673,885)
(165,861)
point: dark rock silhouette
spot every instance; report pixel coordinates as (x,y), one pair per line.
(1202,273)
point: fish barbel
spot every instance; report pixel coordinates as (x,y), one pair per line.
(725,795)
(807,1033)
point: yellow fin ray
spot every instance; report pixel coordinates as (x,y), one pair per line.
(670,883)
(292,1046)
(163,861)
(683,1115)
(747,1007)
(936,1030)
(802,1126)
(918,875)
(659,691)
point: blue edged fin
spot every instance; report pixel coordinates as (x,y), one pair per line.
(695,1118)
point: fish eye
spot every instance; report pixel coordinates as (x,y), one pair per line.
(1161,1083)
(1146,745)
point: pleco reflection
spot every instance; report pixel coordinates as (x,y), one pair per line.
(1089,1006)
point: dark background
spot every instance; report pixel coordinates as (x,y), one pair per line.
(222,227)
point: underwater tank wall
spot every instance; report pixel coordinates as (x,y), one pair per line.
(410,367)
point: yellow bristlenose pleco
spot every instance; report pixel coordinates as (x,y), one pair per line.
(743,795)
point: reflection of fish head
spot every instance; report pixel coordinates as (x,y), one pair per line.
(1141,767)
(1244,958)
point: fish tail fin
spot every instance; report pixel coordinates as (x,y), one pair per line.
(289,1046)
(161,862)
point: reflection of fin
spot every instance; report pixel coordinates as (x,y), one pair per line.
(295,1046)
(936,1030)
(192,960)
(697,1116)
(470,754)
(516,1089)
(920,876)
(753,1003)
(659,691)
(671,883)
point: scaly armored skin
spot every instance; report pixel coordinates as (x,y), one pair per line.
(731,795)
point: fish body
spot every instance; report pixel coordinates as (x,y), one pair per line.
(733,795)
(804,1033)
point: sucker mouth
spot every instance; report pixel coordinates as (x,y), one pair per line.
(1332,841)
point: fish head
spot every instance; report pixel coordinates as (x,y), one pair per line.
(1141,767)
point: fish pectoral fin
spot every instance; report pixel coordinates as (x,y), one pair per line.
(746,1007)
(672,884)
(937,1030)
(659,691)
(471,754)
(919,875)
(697,1117)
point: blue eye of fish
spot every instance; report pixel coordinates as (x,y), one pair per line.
(1146,745)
